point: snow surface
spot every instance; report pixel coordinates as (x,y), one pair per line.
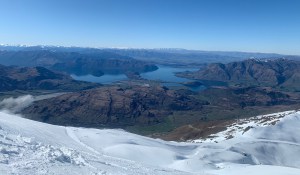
(268,147)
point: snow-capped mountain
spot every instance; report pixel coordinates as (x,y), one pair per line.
(261,145)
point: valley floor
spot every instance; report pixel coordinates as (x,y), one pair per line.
(30,147)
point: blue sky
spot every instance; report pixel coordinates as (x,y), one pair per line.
(227,25)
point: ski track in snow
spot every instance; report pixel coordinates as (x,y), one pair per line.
(73,136)
(255,147)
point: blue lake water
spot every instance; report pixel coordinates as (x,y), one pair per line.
(165,74)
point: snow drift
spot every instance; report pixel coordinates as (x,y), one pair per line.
(30,147)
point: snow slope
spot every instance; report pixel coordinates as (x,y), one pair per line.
(30,147)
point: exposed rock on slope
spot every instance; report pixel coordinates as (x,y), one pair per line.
(112,106)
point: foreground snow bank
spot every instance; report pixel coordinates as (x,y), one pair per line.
(30,147)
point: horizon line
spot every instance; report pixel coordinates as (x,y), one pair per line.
(140,48)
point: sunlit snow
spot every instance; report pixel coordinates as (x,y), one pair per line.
(30,147)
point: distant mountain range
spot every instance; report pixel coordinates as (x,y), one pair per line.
(95,63)
(166,56)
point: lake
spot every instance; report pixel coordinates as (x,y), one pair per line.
(167,74)
(164,74)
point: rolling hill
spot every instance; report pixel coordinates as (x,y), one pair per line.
(281,73)
(38,78)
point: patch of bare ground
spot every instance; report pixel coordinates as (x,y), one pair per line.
(227,129)
(198,130)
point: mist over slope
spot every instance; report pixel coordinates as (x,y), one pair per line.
(16,104)
(30,147)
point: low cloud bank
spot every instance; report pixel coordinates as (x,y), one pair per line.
(15,105)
